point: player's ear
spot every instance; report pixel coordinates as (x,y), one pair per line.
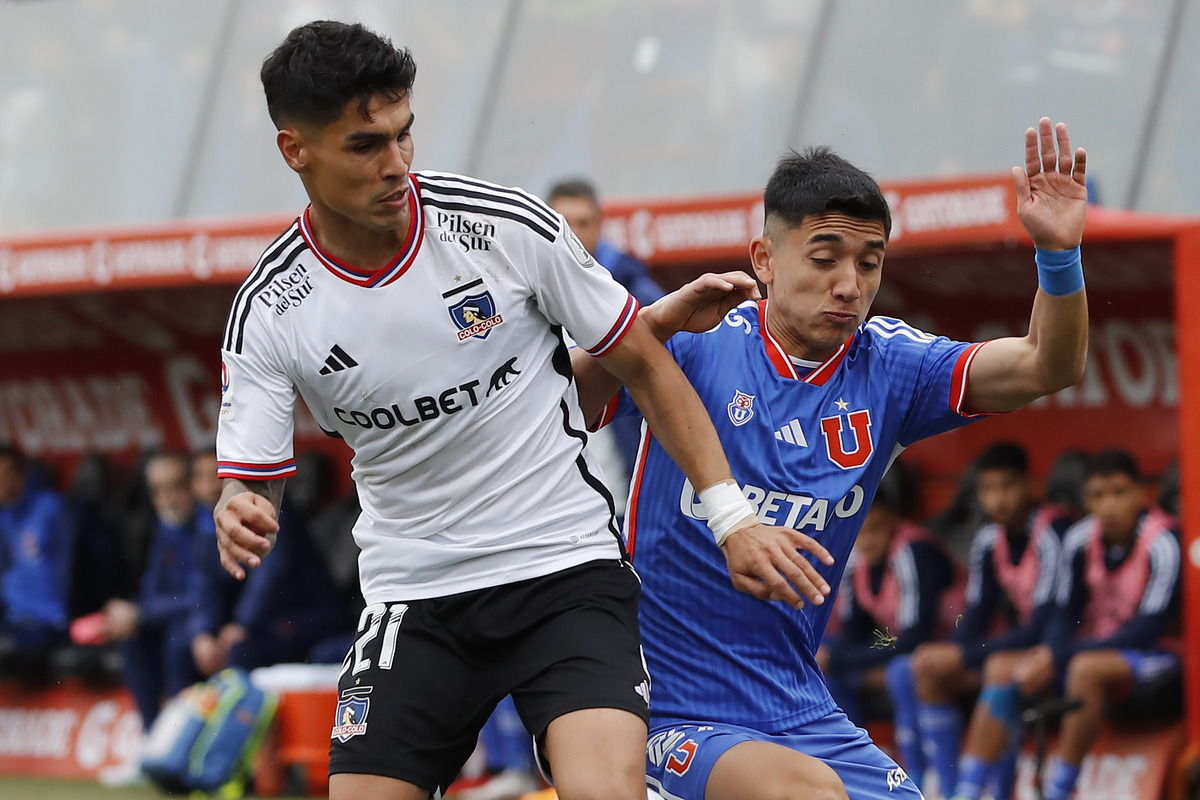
(760,259)
(292,145)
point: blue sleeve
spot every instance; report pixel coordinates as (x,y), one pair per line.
(212,588)
(264,583)
(983,594)
(928,375)
(1068,611)
(162,596)
(1159,605)
(633,275)
(923,573)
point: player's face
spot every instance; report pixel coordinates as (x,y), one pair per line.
(170,489)
(583,216)
(1116,501)
(821,279)
(1003,495)
(875,538)
(354,169)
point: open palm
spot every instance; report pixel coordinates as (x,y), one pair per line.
(1051,188)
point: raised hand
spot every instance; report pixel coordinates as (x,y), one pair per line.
(699,305)
(1052,189)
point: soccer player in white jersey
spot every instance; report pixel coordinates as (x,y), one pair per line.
(420,316)
(812,401)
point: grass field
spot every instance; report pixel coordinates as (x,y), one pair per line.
(47,789)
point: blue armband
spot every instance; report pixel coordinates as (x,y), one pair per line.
(1060,272)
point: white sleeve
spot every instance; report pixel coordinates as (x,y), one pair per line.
(573,290)
(256,423)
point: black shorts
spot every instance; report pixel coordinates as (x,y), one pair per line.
(423,677)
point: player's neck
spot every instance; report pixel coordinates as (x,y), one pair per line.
(353,243)
(796,346)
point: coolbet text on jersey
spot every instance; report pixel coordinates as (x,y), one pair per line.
(447,374)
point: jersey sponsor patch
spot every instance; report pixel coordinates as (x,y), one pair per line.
(350,719)
(741,408)
(475,314)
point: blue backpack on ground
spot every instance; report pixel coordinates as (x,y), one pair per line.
(206,737)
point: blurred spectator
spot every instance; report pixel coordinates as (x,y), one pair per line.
(1010,598)
(96,560)
(900,588)
(286,610)
(154,630)
(1114,628)
(35,557)
(577,201)
(214,591)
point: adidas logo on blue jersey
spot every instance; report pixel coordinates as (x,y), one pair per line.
(792,433)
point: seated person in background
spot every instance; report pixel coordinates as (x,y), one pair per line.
(895,594)
(577,201)
(35,557)
(1117,611)
(285,611)
(214,590)
(1010,598)
(153,631)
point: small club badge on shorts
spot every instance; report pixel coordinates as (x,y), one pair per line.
(741,408)
(350,720)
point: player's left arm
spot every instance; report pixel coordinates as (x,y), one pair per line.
(1008,373)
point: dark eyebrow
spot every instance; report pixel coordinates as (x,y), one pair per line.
(836,238)
(374,136)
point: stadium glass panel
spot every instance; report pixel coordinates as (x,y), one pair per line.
(1172,179)
(98,104)
(682,97)
(931,89)
(240,169)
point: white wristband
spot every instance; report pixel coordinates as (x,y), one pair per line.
(727,509)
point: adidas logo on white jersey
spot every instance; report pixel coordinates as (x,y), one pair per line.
(792,433)
(337,361)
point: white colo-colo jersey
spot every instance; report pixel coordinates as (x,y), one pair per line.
(447,374)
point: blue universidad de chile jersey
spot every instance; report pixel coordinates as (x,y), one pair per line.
(809,451)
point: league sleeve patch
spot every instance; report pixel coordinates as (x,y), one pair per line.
(226,394)
(578,250)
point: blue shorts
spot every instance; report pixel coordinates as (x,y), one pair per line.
(679,758)
(1150,664)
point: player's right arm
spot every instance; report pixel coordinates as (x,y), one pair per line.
(255,425)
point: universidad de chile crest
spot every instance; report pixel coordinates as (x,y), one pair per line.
(741,408)
(475,315)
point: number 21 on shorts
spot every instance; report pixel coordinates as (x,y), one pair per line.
(369,624)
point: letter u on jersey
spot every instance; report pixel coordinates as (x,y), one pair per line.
(860,432)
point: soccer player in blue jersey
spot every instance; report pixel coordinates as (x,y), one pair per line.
(812,401)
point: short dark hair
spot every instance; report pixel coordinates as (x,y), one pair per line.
(1112,462)
(819,181)
(14,454)
(574,187)
(1004,455)
(322,66)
